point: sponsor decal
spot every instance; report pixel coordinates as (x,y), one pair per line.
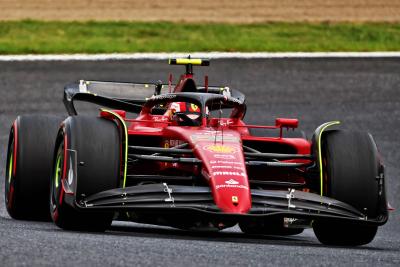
(70,172)
(227,167)
(221,123)
(194,108)
(235,100)
(172,143)
(220,167)
(226,162)
(160,119)
(238,168)
(221,186)
(235,199)
(229,173)
(225,149)
(213,133)
(212,137)
(161,97)
(231,181)
(223,156)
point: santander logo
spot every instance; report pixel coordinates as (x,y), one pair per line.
(231,184)
(231,181)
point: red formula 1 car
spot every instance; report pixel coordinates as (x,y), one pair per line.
(189,161)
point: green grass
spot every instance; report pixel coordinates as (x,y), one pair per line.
(38,37)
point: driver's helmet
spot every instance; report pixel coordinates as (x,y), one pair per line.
(189,109)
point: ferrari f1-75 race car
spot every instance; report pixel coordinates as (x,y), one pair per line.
(188,160)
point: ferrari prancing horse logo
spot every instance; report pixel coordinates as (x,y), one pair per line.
(194,108)
(235,200)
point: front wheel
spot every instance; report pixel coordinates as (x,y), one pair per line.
(94,143)
(343,234)
(351,167)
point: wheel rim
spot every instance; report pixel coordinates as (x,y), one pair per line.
(56,186)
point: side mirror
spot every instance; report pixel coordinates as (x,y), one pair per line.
(286,123)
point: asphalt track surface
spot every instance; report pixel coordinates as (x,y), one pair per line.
(362,93)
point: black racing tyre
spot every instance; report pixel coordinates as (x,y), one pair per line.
(350,167)
(343,234)
(98,152)
(270,227)
(29,166)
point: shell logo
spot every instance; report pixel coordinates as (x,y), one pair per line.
(221,149)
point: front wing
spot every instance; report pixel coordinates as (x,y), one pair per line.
(197,201)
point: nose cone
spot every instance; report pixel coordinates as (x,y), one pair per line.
(231,191)
(226,169)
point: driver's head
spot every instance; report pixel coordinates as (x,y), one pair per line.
(191,110)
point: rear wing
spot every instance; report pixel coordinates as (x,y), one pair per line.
(126,96)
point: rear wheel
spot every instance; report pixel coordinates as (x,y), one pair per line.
(29,165)
(350,167)
(97,145)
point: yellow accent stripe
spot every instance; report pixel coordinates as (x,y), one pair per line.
(58,169)
(184,61)
(321,175)
(11,165)
(126,142)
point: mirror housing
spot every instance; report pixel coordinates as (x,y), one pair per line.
(286,123)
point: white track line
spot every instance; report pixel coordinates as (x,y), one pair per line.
(213,55)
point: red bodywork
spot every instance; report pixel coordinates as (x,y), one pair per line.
(218,143)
